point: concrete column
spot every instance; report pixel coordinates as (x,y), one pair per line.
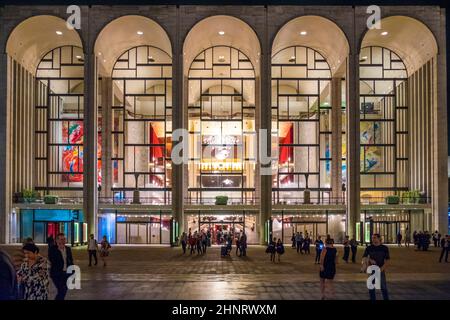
(440,156)
(106,103)
(90,193)
(353,145)
(5,201)
(336,138)
(178,119)
(265,116)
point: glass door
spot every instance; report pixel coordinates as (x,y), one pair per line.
(137,233)
(154,231)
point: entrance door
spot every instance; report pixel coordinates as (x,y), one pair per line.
(313,229)
(137,233)
(154,232)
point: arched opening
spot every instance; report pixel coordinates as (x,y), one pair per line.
(397,97)
(135,113)
(308,126)
(45,105)
(221,56)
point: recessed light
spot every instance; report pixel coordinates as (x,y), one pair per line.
(384,33)
(140,33)
(303,33)
(221,33)
(59,33)
(78,57)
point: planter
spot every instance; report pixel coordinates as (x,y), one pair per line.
(18,197)
(221,200)
(49,199)
(307,196)
(392,199)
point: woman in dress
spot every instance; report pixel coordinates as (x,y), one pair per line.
(328,260)
(104,250)
(33,274)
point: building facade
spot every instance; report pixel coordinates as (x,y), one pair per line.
(295,118)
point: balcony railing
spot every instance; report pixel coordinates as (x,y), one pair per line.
(311,200)
(402,200)
(61,200)
(212,201)
(130,200)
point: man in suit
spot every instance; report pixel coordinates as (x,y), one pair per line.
(60,257)
(8,279)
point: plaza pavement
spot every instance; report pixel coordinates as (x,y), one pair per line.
(145,272)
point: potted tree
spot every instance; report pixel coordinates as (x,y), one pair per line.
(50,199)
(392,199)
(221,200)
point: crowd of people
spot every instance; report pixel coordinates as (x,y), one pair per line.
(200,241)
(27,275)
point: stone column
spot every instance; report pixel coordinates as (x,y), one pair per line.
(265,116)
(178,117)
(353,145)
(336,139)
(5,196)
(90,193)
(440,175)
(106,103)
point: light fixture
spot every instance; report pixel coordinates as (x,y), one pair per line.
(384,33)
(303,33)
(78,57)
(221,32)
(221,58)
(99,53)
(59,33)
(150,58)
(140,33)
(292,59)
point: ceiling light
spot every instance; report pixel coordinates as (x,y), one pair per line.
(99,53)
(384,33)
(303,33)
(78,57)
(221,33)
(150,58)
(140,33)
(292,59)
(59,33)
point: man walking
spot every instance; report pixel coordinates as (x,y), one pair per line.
(92,250)
(299,240)
(346,249)
(60,257)
(353,248)
(378,254)
(444,248)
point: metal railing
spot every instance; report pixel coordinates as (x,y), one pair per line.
(311,200)
(61,200)
(212,201)
(402,200)
(130,200)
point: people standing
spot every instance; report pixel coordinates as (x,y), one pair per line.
(319,247)
(33,274)
(353,248)
(435,238)
(183,241)
(378,254)
(238,246)
(279,248)
(105,246)
(92,250)
(328,260)
(204,242)
(8,279)
(306,245)
(346,249)
(60,257)
(199,244)
(299,241)
(293,240)
(407,238)
(50,241)
(445,248)
(193,243)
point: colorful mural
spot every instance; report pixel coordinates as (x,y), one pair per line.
(370,156)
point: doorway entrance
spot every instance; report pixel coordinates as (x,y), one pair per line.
(312,229)
(388,230)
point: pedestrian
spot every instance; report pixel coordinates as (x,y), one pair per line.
(378,254)
(445,248)
(415,238)
(319,247)
(426,240)
(243,243)
(238,246)
(92,250)
(271,248)
(435,238)
(407,238)
(353,248)
(183,241)
(306,245)
(346,249)
(439,239)
(105,246)
(399,238)
(293,240)
(193,243)
(199,244)
(8,279)
(60,257)
(328,261)
(204,242)
(50,241)
(279,249)
(229,243)
(33,274)
(299,241)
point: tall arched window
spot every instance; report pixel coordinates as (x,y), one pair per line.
(142,124)
(222,131)
(59,120)
(383,123)
(301,129)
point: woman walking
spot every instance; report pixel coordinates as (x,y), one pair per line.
(328,260)
(271,248)
(183,242)
(33,274)
(279,249)
(104,250)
